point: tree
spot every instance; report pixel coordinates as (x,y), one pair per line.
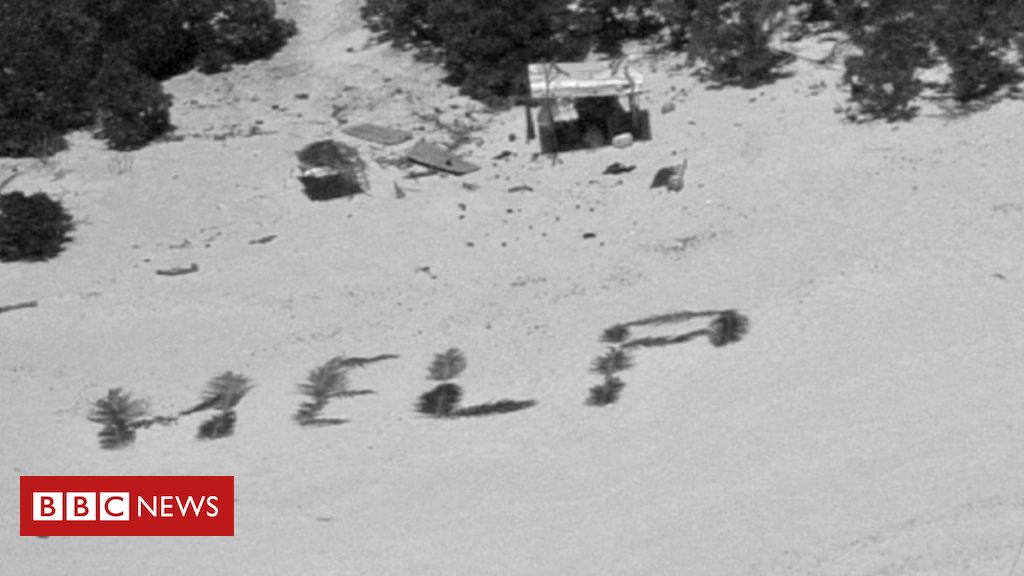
(732,37)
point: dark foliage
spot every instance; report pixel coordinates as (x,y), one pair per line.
(32,227)
(607,393)
(241,31)
(325,382)
(894,40)
(404,23)
(484,45)
(613,361)
(70,63)
(613,21)
(132,107)
(731,37)
(120,416)
(441,401)
(447,365)
(615,334)
(974,37)
(223,393)
(659,341)
(729,327)
(671,318)
(498,407)
(220,425)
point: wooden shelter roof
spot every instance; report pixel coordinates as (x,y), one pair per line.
(583,79)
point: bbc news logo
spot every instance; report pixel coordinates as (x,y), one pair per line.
(127,505)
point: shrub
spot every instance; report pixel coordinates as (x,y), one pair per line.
(68,64)
(484,45)
(613,21)
(32,227)
(120,416)
(132,107)
(402,22)
(678,15)
(974,37)
(441,401)
(241,31)
(732,38)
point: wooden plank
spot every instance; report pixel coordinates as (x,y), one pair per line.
(378,134)
(439,159)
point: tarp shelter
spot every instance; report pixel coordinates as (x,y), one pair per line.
(329,169)
(595,90)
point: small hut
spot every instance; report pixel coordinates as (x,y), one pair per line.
(329,169)
(580,104)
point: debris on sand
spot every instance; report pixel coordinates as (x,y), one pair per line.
(377,134)
(178,271)
(670,177)
(329,170)
(431,156)
(19,306)
(619,168)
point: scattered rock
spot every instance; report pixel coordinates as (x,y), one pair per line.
(302,96)
(263,240)
(521,188)
(623,140)
(668,108)
(589,235)
(618,168)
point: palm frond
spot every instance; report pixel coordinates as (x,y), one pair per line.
(730,326)
(615,334)
(612,361)
(671,318)
(118,408)
(658,341)
(447,365)
(222,393)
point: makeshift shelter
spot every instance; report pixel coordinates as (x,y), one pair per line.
(580,104)
(329,169)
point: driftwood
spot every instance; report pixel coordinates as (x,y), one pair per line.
(178,271)
(19,306)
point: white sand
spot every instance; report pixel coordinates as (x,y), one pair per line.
(868,423)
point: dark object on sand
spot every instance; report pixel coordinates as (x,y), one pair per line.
(434,157)
(18,306)
(329,170)
(378,134)
(670,177)
(178,271)
(619,168)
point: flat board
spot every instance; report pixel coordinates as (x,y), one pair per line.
(378,134)
(439,159)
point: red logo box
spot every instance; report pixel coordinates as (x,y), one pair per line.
(127,505)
